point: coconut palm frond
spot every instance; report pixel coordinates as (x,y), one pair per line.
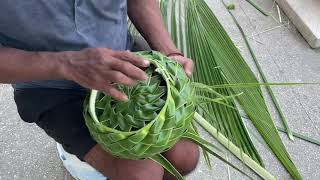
(199,34)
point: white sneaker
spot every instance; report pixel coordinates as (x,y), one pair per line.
(78,169)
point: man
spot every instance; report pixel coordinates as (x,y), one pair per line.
(52,51)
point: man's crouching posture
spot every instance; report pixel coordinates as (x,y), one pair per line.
(54,51)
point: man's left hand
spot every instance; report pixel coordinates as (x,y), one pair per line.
(185,62)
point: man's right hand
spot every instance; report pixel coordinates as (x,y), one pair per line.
(93,68)
(101,68)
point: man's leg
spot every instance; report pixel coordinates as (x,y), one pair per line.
(123,169)
(184,156)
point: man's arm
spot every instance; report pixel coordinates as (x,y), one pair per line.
(17,65)
(92,68)
(146,16)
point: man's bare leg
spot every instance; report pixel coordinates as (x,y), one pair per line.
(123,169)
(184,156)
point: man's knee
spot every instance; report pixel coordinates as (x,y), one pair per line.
(184,156)
(123,169)
(149,170)
(139,170)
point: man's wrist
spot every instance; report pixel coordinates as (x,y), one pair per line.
(174,54)
(169,51)
(53,62)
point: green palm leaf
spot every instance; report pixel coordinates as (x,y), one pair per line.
(255,5)
(185,32)
(203,39)
(263,76)
(167,165)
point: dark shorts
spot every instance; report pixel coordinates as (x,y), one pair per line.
(59,114)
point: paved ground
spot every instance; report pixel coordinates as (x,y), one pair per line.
(27,153)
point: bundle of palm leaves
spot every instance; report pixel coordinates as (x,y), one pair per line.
(168,106)
(197,32)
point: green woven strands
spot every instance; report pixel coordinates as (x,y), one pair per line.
(156,116)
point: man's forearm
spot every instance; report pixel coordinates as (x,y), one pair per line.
(92,68)
(17,65)
(146,16)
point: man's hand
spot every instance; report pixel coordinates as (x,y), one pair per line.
(146,16)
(185,62)
(101,68)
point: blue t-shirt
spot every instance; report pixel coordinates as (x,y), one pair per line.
(62,25)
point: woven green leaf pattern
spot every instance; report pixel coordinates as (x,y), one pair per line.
(158,113)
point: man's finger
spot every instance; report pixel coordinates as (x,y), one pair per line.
(115,93)
(120,78)
(188,67)
(186,63)
(129,70)
(132,58)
